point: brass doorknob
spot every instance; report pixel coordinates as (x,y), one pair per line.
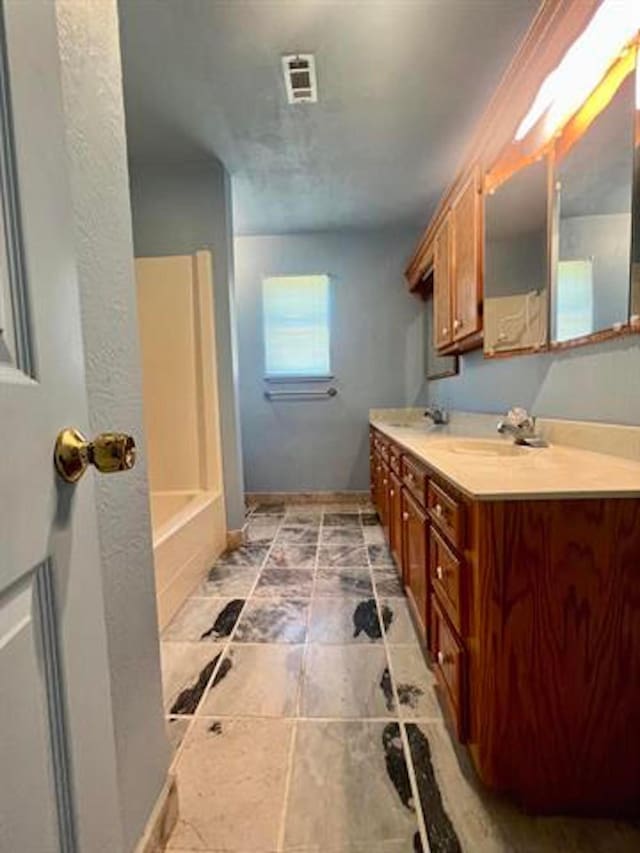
(109,452)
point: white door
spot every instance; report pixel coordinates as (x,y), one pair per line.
(57,762)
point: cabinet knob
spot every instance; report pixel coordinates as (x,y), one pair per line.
(384,482)
(379,468)
(438,510)
(439,573)
(405,516)
(441,657)
(457,324)
(391,492)
(410,477)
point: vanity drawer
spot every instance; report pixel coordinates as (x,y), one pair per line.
(449,666)
(395,458)
(415,478)
(447,513)
(445,571)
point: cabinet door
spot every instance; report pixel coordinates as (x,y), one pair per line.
(442,321)
(372,469)
(467,265)
(415,557)
(395,520)
(383,497)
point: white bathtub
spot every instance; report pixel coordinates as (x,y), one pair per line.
(188,535)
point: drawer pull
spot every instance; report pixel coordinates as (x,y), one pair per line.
(439,573)
(405,516)
(442,658)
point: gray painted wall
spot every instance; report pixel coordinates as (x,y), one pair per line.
(178,209)
(377,356)
(595,383)
(94,115)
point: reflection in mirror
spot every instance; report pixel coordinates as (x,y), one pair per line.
(436,366)
(592,224)
(635,251)
(515,278)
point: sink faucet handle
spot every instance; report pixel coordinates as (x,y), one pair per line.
(520,417)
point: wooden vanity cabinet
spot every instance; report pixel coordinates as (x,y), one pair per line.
(530,610)
(415,534)
(395,520)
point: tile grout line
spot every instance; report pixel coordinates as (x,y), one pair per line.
(303,665)
(401,725)
(223,652)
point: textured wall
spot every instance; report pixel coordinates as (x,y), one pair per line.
(178,209)
(377,356)
(589,383)
(91,79)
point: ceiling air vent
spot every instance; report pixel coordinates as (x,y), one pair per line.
(300,78)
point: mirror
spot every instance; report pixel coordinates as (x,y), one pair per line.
(516,267)
(592,225)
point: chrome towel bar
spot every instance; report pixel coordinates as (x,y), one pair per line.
(300,395)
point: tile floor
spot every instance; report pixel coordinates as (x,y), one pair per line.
(304,718)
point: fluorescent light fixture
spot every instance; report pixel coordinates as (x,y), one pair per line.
(567,87)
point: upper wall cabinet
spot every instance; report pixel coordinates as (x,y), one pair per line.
(467,262)
(457,273)
(536,244)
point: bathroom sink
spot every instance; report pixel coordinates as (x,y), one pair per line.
(487,447)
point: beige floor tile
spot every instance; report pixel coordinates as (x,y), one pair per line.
(231,783)
(261,681)
(185,667)
(414,683)
(349,788)
(344,620)
(346,681)
(396,619)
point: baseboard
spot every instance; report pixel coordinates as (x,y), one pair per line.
(162,820)
(235,538)
(308,497)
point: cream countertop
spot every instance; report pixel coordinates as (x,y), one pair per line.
(556,471)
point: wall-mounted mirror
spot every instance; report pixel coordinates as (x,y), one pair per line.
(592,225)
(516,265)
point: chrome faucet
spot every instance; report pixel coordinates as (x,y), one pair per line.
(438,416)
(522,426)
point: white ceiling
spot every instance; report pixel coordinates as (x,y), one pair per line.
(401,84)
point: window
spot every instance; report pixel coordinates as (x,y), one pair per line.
(574,300)
(296,326)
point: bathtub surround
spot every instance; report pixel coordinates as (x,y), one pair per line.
(180,208)
(327,689)
(176,314)
(92,94)
(376,357)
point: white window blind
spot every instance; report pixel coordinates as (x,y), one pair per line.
(296,312)
(574,299)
